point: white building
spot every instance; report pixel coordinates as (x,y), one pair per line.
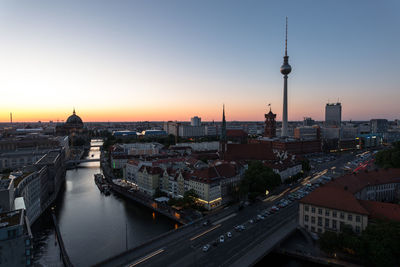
(191,131)
(211,130)
(195,121)
(201,146)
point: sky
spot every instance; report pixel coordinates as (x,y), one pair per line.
(172,60)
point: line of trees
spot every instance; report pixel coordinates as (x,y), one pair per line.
(378,245)
(389,158)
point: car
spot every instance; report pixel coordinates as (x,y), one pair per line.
(206,223)
(206,248)
(251,221)
(274,208)
(221,239)
(229,234)
(260,217)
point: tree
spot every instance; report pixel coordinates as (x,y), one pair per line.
(257,179)
(305,165)
(329,242)
(189,197)
(389,158)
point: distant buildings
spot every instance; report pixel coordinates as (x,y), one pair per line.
(308,121)
(333,114)
(379,126)
(74,128)
(195,121)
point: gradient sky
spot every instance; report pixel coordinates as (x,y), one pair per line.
(171,60)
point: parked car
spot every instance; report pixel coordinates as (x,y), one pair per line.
(206,248)
(221,239)
(229,234)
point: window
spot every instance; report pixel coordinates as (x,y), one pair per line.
(319,221)
(312,219)
(306,218)
(334,214)
(357,229)
(334,224)
(326,212)
(306,208)
(342,215)
(320,211)
(358,219)
(349,217)
(313,210)
(319,230)
(326,223)
(312,229)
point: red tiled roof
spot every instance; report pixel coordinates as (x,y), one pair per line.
(236,133)
(356,182)
(226,170)
(249,152)
(334,198)
(381,210)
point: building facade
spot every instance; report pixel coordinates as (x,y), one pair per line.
(333,114)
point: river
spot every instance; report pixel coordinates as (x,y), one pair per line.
(93,226)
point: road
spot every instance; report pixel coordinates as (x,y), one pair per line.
(183,247)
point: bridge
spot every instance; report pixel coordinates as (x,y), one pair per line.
(74,162)
(183,246)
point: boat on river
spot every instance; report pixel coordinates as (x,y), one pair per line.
(100,181)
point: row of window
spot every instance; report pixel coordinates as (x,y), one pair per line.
(357,229)
(327,223)
(334,213)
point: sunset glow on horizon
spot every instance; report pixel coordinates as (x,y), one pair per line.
(172,60)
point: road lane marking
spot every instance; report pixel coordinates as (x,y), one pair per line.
(205,232)
(145,258)
(224,219)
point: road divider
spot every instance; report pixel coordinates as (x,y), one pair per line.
(145,258)
(205,232)
(224,219)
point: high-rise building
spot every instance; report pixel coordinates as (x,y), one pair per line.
(195,121)
(333,114)
(285,70)
(379,125)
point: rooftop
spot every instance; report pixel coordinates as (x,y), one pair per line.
(381,210)
(10,218)
(334,198)
(356,182)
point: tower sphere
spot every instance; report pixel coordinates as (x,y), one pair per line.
(286,69)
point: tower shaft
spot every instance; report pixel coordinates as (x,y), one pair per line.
(285,108)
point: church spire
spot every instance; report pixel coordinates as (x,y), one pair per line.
(73,112)
(223,130)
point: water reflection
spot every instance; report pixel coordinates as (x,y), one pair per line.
(94,226)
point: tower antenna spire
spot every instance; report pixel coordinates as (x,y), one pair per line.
(286,37)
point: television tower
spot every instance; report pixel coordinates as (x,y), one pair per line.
(285,70)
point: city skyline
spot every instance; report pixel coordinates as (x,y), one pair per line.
(158,62)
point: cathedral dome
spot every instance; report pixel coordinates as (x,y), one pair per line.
(74,119)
